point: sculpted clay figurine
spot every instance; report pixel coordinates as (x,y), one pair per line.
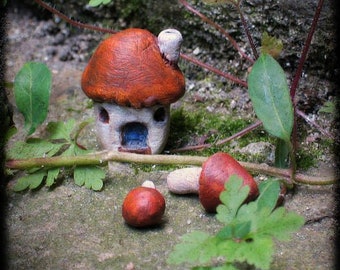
(133,78)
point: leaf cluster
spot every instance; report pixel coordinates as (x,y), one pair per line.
(248,233)
(62,140)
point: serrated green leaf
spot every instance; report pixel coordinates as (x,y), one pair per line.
(257,251)
(279,224)
(32,88)
(30,181)
(232,198)
(90,176)
(52,175)
(33,148)
(270,96)
(61,130)
(196,247)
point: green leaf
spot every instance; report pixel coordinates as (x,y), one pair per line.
(30,181)
(90,176)
(61,130)
(279,224)
(52,175)
(232,198)
(32,88)
(328,107)
(33,148)
(248,236)
(270,96)
(95,3)
(196,247)
(257,251)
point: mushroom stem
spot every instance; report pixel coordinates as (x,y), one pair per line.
(169,43)
(184,181)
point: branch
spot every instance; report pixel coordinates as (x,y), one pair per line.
(101,158)
(73,22)
(305,50)
(220,142)
(217,27)
(215,70)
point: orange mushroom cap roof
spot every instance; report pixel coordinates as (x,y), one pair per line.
(128,69)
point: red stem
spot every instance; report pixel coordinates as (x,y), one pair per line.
(218,27)
(215,70)
(305,49)
(313,123)
(246,29)
(220,142)
(298,74)
(72,22)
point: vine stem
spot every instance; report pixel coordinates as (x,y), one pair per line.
(103,157)
(217,27)
(215,70)
(73,22)
(220,142)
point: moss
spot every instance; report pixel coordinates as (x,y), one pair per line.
(199,126)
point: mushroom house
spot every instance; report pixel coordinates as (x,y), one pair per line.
(133,77)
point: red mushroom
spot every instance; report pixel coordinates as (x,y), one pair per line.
(216,170)
(134,68)
(143,206)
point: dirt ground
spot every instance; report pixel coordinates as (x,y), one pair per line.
(70,227)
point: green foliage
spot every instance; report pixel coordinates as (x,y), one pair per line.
(32,88)
(95,3)
(328,107)
(62,140)
(269,94)
(248,233)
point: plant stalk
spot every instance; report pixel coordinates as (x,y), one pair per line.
(217,27)
(103,157)
(215,70)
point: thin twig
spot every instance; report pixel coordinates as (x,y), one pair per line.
(217,27)
(73,22)
(246,29)
(220,142)
(305,50)
(215,70)
(313,123)
(296,80)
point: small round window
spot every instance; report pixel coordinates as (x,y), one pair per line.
(159,115)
